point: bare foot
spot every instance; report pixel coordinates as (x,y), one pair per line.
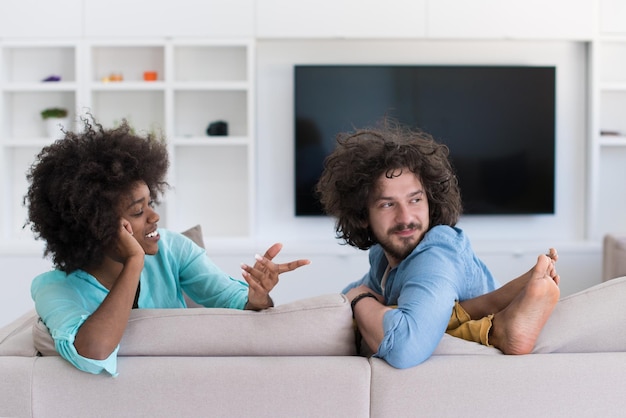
(554,257)
(516,328)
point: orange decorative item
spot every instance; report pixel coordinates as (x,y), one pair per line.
(150,75)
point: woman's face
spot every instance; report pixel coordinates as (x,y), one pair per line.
(138,209)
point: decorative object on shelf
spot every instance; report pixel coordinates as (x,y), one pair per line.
(150,75)
(611,133)
(52,78)
(113,77)
(56,120)
(217,128)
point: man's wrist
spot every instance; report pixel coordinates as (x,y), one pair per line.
(360,297)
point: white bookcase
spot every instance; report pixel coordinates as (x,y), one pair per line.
(608,122)
(198,82)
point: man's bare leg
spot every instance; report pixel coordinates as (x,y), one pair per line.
(515,329)
(502,297)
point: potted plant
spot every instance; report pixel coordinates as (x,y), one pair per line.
(56,120)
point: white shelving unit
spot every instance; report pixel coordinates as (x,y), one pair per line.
(608,122)
(212,82)
(22,131)
(198,82)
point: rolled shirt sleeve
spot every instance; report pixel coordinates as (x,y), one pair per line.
(424,286)
(64,303)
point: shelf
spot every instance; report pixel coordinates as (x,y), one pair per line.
(612,109)
(198,82)
(210,62)
(40,87)
(128,86)
(612,141)
(211,141)
(210,85)
(612,65)
(30,64)
(128,61)
(613,87)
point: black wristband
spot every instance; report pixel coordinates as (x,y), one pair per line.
(359,297)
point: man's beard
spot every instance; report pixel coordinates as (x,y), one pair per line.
(400,251)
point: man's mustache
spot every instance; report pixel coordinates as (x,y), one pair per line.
(402,227)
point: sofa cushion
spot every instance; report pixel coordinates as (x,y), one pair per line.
(451,346)
(16,337)
(613,257)
(318,326)
(587,321)
(165,387)
(538,385)
(195,234)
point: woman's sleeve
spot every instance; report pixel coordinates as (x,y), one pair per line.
(62,309)
(205,283)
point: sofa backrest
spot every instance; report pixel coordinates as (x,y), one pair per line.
(317,326)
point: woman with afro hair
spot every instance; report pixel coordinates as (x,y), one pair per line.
(92,200)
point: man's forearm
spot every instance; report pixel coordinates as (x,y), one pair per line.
(369,313)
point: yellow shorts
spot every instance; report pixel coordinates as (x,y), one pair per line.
(462,326)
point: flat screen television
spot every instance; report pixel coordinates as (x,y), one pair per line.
(498,122)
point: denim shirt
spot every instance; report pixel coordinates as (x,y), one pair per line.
(425,285)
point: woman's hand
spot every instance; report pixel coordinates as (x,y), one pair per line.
(263,276)
(126,246)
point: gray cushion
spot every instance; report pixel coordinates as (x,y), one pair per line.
(16,338)
(588,321)
(318,326)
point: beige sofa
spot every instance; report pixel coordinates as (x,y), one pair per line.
(613,256)
(298,360)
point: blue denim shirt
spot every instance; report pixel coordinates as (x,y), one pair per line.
(441,270)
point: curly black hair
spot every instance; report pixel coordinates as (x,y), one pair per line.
(352,170)
(76,183)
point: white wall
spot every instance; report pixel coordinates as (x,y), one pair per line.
(17,273)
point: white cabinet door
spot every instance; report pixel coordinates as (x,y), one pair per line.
(144,18)
(340,19)
(495,19)
(41,19)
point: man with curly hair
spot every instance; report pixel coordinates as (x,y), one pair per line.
(392,190)
(92,200)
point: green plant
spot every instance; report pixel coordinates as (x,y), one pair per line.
(54,112)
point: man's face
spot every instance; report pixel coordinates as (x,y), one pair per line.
(398,214)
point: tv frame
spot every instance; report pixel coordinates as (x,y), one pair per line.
(531,87)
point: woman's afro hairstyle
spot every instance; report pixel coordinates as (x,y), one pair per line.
(76,184)
(352,170)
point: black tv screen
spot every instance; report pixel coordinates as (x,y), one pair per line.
(498,122)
